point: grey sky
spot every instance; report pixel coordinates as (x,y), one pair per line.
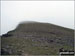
(57,12)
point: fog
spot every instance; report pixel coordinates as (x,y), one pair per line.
(56,12)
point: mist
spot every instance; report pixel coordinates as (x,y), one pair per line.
(56,12)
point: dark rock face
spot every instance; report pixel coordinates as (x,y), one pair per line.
(4,52)
(6,35)
(50,41)
(61,50)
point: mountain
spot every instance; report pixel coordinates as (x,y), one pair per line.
(36,38)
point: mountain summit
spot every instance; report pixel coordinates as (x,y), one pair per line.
(35,38)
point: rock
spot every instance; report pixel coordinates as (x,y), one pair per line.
(4,51)
(6,35)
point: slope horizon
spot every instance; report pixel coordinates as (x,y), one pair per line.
(22,22)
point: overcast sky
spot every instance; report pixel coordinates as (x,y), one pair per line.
(57,12)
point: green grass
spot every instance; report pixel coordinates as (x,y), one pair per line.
(34,39)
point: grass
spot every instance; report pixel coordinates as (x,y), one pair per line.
(38,39)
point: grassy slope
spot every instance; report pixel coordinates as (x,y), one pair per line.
(38,39)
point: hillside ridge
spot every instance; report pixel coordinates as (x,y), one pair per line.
(35,38)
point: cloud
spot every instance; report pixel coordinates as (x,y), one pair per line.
(56,12)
